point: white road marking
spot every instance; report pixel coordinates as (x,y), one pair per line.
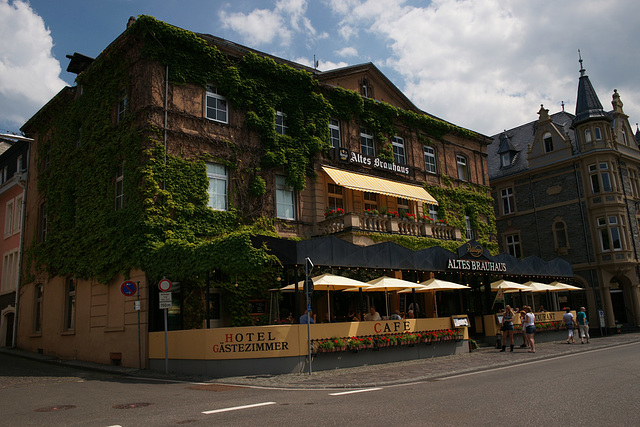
(355,391)
(235,408)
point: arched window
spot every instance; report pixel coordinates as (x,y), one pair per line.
(598,134)
(548,142)
(561,236)
(587,135)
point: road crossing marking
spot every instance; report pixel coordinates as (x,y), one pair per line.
(355,391)
(235,408)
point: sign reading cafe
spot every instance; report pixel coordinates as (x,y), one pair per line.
(463,264)
(353,157)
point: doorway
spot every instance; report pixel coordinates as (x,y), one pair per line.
(619,308)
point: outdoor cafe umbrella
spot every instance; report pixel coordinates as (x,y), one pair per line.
(541,287)
(509,287)
(385,283)
(434,285)
(565,287)
(329,282)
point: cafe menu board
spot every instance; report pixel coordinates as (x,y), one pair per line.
(257,307)
(460,321)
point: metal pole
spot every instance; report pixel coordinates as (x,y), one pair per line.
(139,346)
(166,344)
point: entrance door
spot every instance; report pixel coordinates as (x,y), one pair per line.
(619,309)
(8,324)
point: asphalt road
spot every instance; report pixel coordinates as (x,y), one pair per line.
(591,388)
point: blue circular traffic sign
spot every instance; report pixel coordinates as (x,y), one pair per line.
(128,288)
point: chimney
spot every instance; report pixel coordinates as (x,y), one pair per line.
(132,20)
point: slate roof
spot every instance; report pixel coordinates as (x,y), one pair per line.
(519,139)
(588,105)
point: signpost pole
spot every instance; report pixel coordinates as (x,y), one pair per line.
(308,266)
(139,346)
(166,345)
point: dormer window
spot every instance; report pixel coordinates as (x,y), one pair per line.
(548,142)
(624,137)
(505,159)
(365,89)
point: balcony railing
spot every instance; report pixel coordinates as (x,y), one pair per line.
(384,224)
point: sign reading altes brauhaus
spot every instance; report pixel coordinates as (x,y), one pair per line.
(465,264)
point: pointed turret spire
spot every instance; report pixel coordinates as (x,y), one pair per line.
(588,105)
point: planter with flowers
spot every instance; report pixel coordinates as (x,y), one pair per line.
(372,212)
(426,218)
(392,214)
(330,213)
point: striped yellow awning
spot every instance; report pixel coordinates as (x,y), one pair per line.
(372,184)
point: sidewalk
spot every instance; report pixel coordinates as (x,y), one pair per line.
(371,375)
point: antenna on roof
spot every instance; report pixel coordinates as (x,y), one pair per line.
(562,103)
(315,62)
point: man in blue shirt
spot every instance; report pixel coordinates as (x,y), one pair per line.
(305,316)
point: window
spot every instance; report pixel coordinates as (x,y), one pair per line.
(285,207)
(433,211)
(19,164)
(334,133)
(609,229)
(601,179)
(70,305)
(470,233)
(17,215)
(508,202)
(370,201)
(598,134)
(335,196)
(10,271)
(42,222)
(513,245)
(217,175)
(8,219)
(505,160)
(403,205)
(281,123)
(462,168)
(560,235)
(122,105)
(624,137)
(398,150)
(217,108)
(37,309)
(587,135)
(366,143)
(429,159)
(635,187)
(119,196)
(548,142)
(365,89)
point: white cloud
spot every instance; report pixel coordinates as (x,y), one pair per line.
(264,26)
(489,64)
(29,74)
(347,51)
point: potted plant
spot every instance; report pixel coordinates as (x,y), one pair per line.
(326,346)
(329,213)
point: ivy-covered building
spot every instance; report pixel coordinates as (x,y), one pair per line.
(175,148)
(568,185)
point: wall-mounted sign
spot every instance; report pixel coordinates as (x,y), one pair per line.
(353,157)
(463,264)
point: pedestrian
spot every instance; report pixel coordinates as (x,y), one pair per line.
(530,328)
(525,341)
(507,328)
(569,322)
(583,325)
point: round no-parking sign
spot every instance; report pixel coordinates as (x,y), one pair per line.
(164,285)
(128,288)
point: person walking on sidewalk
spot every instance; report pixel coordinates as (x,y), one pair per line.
(525,341)
(569,322)
(507,328)
(530,328)
(583,325)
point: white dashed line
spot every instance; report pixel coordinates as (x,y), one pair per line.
(235,408)
(355,391)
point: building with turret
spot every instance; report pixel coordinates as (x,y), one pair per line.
(568,185)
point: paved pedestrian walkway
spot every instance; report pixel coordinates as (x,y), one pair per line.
(373,375)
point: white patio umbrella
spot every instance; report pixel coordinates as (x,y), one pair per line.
(434,285)
(329,282)
(565,287)
(541,287)
(509,287)
(385,283)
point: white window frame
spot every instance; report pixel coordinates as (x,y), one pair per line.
(218,111)
(505,159)
(598,133)
(612,231)
(123,103)
(9,271)
(508,201)
(367,143)
(463,169)
(17,214)
(429,159)
(119,187)
(433,212)
(397,144)
(281,123)
(470,233)
(217,175)
(285,199)
(334,133)
(512,243)
(8,218)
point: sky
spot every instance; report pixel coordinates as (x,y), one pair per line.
(486,65)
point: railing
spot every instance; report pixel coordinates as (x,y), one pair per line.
(384,224)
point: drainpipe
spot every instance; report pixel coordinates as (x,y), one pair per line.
(25,177)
